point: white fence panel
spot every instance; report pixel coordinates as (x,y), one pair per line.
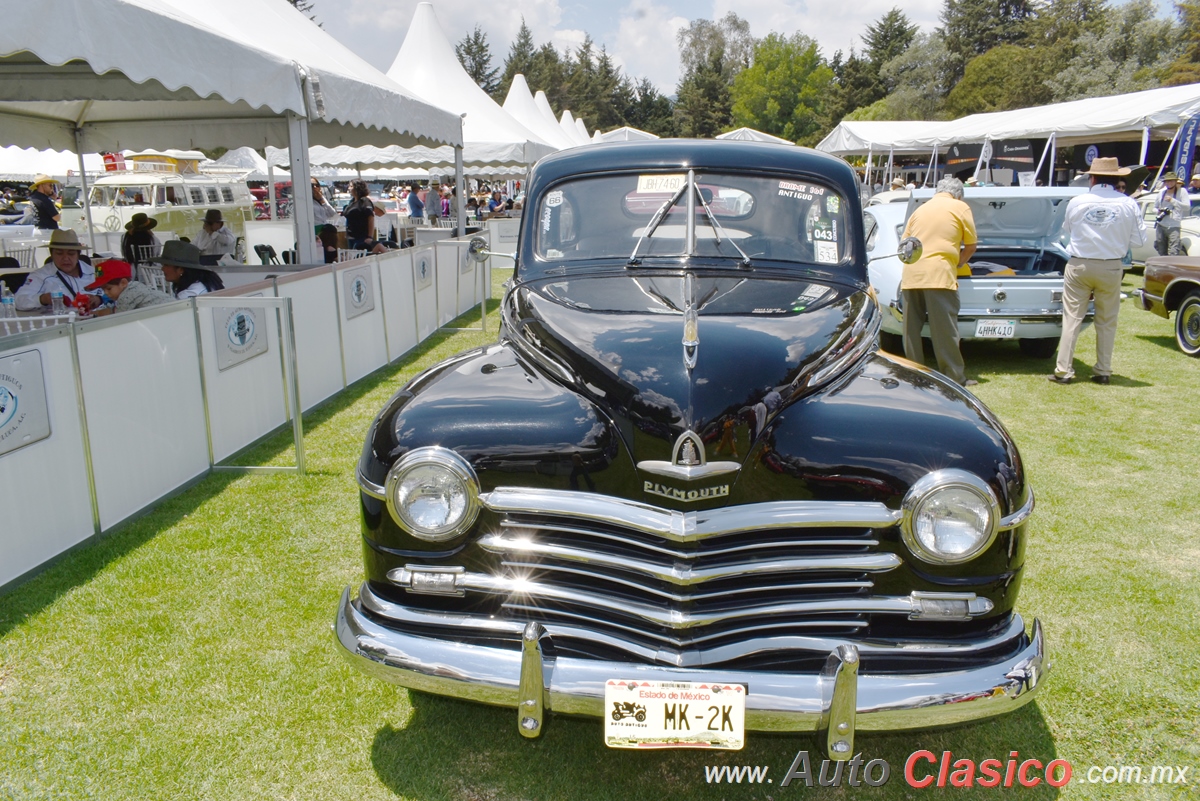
(363,336)
(46,506)
(397,285)
(141,387)
(425,271)
(317,348)
(447,282)
(246,400)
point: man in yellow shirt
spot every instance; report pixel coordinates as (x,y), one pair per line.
(946,228)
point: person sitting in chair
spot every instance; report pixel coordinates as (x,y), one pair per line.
(139,234)
(215,239)
(115,278)
(181,266)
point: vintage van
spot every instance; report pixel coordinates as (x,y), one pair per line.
(169,187)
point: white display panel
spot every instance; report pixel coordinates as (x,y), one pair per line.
(447,281)
(47,507)
(427,289)
(396,283)
(245,401)
(317,348)
(362,335)
(141,386)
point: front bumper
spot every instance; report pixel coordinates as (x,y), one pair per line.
(525,679)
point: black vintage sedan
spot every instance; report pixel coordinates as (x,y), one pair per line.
(684,492)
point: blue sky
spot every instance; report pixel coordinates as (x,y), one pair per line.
(640,34)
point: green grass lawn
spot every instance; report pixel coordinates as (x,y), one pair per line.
(189,655)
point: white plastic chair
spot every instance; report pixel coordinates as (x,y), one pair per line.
(23,255)
(153,277)
(23,325)
(349,255)
(145,253)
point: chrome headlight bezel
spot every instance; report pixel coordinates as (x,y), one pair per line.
(929,486)
(455,466)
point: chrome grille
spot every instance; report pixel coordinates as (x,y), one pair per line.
(673,580)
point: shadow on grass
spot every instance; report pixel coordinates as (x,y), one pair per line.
(456,750)
(1163,342)
(83,563)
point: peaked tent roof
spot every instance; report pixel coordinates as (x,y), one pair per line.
(188,82)
(428,67)
(626,134)
(751,135)
(567,123)
(1111,119)
(520,104)
(582,129)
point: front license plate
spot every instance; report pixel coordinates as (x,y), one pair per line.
(995,329)
(674,714)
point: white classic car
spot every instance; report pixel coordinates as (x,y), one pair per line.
(1015,287)
(1189,229)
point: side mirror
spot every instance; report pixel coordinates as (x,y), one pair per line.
(910,250)
(477,250)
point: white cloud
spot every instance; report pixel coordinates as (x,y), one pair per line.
(645,45)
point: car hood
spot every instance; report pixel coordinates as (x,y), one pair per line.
(761,342)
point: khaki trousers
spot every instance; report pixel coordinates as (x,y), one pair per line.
(941,307)
(1101,279)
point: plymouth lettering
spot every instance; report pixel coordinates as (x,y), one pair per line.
(687,496)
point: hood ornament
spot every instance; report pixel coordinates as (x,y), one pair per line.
(691,325)
(688,461)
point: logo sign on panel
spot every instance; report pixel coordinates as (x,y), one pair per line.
(358,291)
(423,265)
(240,333)
(24,414)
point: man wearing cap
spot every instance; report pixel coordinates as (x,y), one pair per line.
(215,239)
(115,278)
(41,198)
(1101,227)
(1172,205)
(1194,186)
(65,273)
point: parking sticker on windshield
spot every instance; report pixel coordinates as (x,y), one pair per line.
(826,252)
(800,191)
(833,204)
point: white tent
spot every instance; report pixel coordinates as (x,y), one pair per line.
(587,137)
(626,134)
(91,75)
(520,104)
(751,135)
(567,123)
(23,164)
(1129,117)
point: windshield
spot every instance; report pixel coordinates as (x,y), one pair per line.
(638,217)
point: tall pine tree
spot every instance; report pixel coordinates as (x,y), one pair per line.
(476,57)
(519,60)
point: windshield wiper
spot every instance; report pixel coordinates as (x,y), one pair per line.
(717,229)
(654,222)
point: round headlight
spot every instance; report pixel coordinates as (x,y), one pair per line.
(433,494)
(950,516)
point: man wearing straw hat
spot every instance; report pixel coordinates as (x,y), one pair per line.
(41,198)
(65,273)
(1102,226)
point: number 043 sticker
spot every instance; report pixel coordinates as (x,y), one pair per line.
(673,714)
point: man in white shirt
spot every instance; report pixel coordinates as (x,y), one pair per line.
(1172,204)
(215,239)
(65,273)
(1101,225)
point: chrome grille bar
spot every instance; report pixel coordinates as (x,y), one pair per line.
(685,575)
(689,526)
(741,591)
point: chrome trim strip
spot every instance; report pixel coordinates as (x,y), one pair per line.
(780,701)
(463,626)
(1018,517)
(369,487)
(740,591)
(969,314)
(672,618)
(682,574)
(689,526)
(845,542)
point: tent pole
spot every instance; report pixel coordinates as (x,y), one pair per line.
(891,159)
(83,197)
(358,168)
(1166,157)
(302,212)
(932,165)
(1042,159)
(982,150)
(460,191)
(1145,144)
(867,169)
(1053,157)
(271,189)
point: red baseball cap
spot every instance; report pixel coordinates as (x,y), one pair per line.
(110,270)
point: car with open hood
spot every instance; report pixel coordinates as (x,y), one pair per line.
(1014,289)
(684,492)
